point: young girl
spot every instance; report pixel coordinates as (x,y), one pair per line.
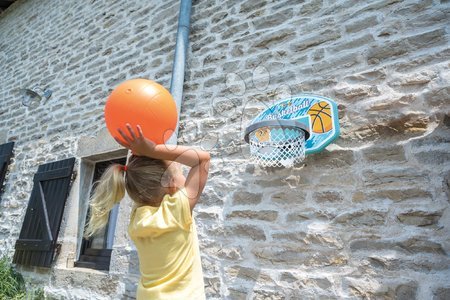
(161,223)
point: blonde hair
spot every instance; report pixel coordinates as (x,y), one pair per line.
(143,180)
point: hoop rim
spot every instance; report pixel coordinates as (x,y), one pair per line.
(278,122)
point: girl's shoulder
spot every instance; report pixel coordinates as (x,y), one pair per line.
(173,213)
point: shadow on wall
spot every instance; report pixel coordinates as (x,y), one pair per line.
(133,275)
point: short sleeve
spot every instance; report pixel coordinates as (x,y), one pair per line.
(178,204)
(173,213)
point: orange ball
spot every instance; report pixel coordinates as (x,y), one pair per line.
(141,102)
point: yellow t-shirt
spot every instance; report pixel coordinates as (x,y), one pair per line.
(167,246)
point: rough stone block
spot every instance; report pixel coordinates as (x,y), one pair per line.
(250,5)
(264,295)
(413,8)
(362,24)
(355,92)
(254,61)
(238,294)
(309,215)
(446,185)
(274,39)
(371,75)
(422,263)
(202,43)
(428,19)
(213,58)
(417,79)
(413,245)
(391,103)
(212,287)
(204,215)
(373,6)
(401,194)
(437,97)
(439,137)
(378,288)
(235,31)
(294,255)
(360,218)
(298,236)
(264,215)
(246,231)
(246,198)
(433,157)
(211,199)
(163,14)
(317,39)
(329,66)
(395,177)
(318,54)
(210,265)
(428,39)
(422,245)
(364,40)
(406,291)
(219,16)
(326,239)
(288,198)
(215,249)
(331,159)
(138,69)
(430,58)
(306,282)
(420,217)
(272,20)
(359,197)
(249,274)
(274,182)
(442,293)
(329,196)
(385,154)
(387,51)
(411,125)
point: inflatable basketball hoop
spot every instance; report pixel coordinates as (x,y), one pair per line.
(284,133)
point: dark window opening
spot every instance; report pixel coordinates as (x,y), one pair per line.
(96,251)
(6,152)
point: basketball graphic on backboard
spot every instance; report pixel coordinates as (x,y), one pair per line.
(321,118)
(263,134)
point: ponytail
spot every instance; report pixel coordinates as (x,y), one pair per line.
(109,191)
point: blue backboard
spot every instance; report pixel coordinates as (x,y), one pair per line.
(318,113)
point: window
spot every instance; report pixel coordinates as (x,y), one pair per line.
(6,152)
(95,252)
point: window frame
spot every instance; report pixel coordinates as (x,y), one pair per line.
(100,258)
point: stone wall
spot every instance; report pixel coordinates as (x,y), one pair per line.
(366,218)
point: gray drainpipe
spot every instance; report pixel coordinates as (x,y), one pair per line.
(179,61)
(176,88)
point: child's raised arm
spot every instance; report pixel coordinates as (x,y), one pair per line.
(197,159)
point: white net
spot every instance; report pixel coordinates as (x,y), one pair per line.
(277,146)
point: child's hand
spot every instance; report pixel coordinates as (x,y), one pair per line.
(138,144)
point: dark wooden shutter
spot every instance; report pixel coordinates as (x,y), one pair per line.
(6,151)
(37,240)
